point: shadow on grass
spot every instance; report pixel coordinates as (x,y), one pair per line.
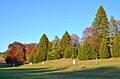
(97,73)
(4,65)
(43,73)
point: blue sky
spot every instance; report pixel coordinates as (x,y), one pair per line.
(26,20)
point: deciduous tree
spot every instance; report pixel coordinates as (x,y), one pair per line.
(16,53)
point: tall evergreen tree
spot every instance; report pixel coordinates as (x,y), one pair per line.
(86,50)
(113,26)
(83,52)
(80,52)
(49,56)
(56,54)
(43,48)
(116,46)
(104,52)
(65,42)
(93,51)
(101,23)
(31,58)
(68,52)
(56,49)
(74,54)
(36,58)
(112,31)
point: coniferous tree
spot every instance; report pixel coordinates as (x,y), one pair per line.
(65,42)
(56,49)
(80,52)
(83,52)
(112,31)
(93,51)
(116,46)
(74,55)
(49,56)
(104,52)
(31,58)
(36,58)
(68,52)
(76,50)
(86,50)
(56,54)
(101,23)
(43,48)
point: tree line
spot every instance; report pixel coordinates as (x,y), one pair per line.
(101,40)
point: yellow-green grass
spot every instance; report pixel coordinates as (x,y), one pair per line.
(64,69)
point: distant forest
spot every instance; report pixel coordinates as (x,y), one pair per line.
(101,40)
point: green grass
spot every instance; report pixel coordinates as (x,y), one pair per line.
(64,69)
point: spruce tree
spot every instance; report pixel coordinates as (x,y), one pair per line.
(86,50)
(116,46)
(83,52)
(56,49)
(65,42)
(113,26)
(101,23)
(43,48)
(80,52)
(93,51)
(112,32)
(68,52)
(104,52)
(74,55)
(36,58)
(49,56)
(31,58)
(56,54)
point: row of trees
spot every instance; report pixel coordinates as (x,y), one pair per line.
(56,49)
(102,40)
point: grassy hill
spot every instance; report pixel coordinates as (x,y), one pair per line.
(64,69)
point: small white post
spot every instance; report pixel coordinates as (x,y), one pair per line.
(73,61)
(30,63)
(43,63)
(13,64)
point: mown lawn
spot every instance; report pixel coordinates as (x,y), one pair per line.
(63,69)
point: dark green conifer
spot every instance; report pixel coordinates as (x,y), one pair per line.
(65,42)
(31,58)
(116,46)
(56,48)
(101,23)
(80,52)
(68,52)
(49,56)
(43,48)
(104,52)
(93,51)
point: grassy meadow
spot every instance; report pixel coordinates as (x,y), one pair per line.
(64,69)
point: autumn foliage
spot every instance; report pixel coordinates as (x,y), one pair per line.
(30,48)
(18,53)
